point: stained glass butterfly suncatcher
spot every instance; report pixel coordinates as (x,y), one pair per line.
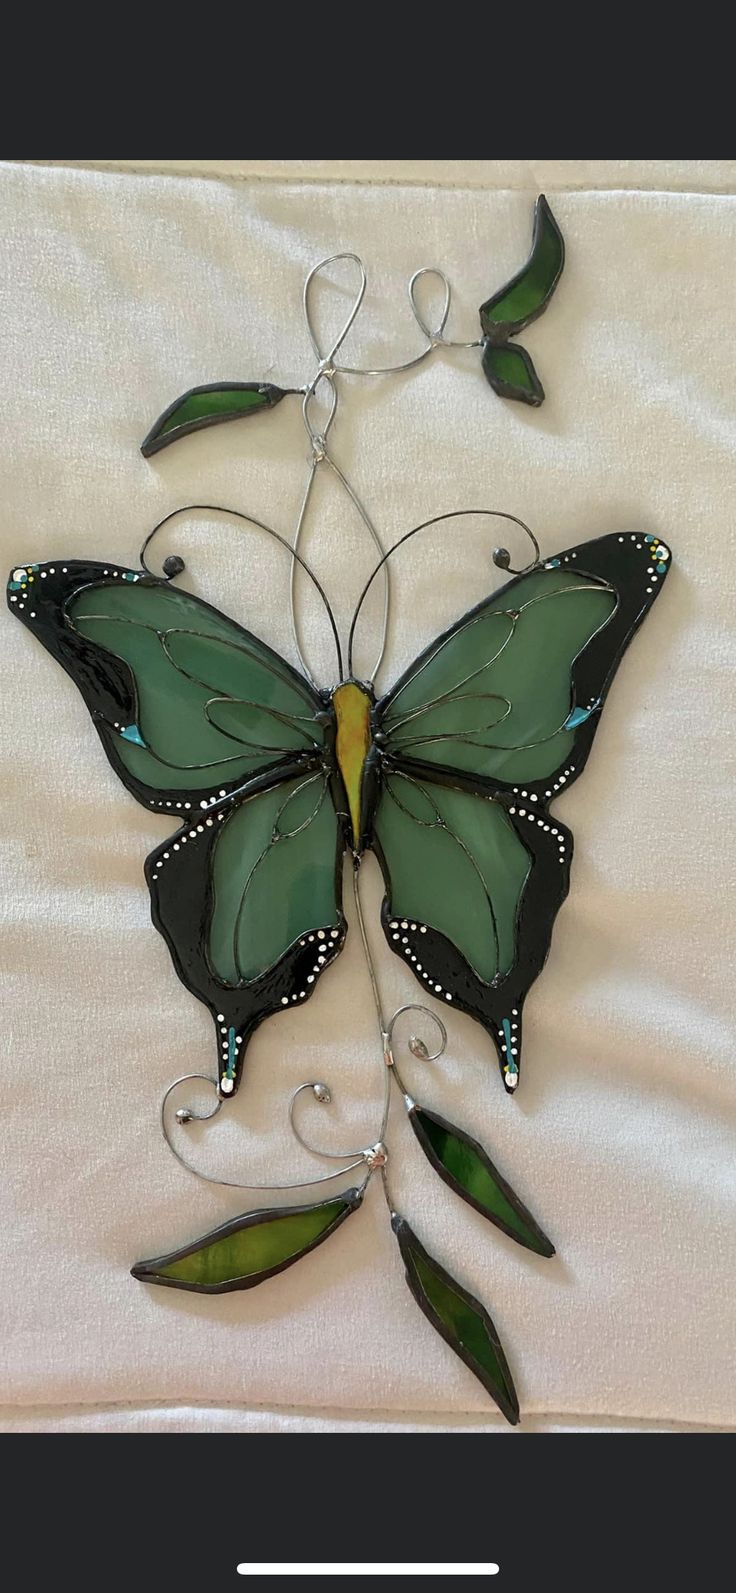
(447,777)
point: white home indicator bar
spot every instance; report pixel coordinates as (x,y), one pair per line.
(368,1568)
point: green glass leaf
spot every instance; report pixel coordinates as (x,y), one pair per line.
(511,374)
(464,1165)
(249,1249)
(529,292)
(459,1318)
(208,406)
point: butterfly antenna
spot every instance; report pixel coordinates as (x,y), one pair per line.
(501,556)
(174,565)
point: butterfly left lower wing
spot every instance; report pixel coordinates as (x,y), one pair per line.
(491,722)
(204,722)
(249,899)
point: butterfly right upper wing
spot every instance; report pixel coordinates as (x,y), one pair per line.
(489,724)
(201,720)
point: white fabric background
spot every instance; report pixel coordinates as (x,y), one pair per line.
(117,292)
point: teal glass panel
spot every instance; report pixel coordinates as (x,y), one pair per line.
(498,689)
(181,654)
(242,669)
(468,1169)
(274,877)
(456,864)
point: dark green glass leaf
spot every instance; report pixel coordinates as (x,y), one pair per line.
(529,292)
(465,1166)
(511,374)
(249,1249)
(459,1318)
(208,406)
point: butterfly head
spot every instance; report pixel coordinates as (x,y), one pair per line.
(353,705)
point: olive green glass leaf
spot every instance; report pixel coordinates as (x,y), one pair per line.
(249,1249)
(208,406)
(508,369)
(459,1318)
(464,1165)
(529,292)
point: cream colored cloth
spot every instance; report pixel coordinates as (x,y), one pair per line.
(119,290)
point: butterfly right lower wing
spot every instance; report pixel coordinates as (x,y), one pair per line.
(488,725)
(205,723)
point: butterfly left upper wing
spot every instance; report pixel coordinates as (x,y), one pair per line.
(490,723)
(188,705)
(203,721)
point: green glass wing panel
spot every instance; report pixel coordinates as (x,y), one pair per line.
(250,1249)
(511,374)
(466,1167)
(275,878)
(454,863)
(460,1319)
(214,703)
(494,695)
(208,406)
(529,292)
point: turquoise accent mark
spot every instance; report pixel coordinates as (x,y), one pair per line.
(649,539)
(230,1073)
(132,733)
(509,1064)
(16,586)
(579,716)
(129,576)
(552,564)
(661,569)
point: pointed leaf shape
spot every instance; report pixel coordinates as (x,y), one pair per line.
(459,1319)
(249,1249)
(529,292)
(464,1164)
(208,406)
(508,369)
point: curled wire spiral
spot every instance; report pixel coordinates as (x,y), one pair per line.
(187,1114)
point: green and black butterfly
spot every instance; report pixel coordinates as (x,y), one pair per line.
(447,777)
